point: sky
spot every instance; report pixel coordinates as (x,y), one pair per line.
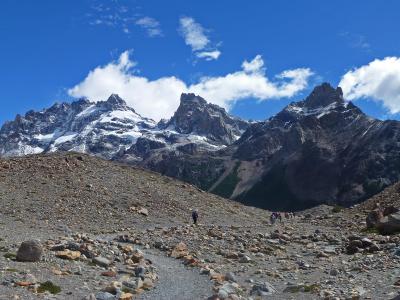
(251,57)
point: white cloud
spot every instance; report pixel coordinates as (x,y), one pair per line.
(195,37)
(209,55)
(193,33)
(160,98)
(253,66)
(379,80)
(152,26)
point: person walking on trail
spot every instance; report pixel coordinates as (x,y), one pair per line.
(272,218)
(195,216)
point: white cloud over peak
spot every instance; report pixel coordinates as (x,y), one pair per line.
(379,80)
(159,98)
(152,26)
(253,66)
(195,37)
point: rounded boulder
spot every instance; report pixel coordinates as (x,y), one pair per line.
(30,251)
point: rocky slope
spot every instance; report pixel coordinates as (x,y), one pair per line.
(109,231)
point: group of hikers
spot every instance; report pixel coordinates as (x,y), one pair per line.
(273,218)
(278,216)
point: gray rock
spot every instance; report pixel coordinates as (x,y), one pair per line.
(105,296)
(262,289)
(30,251)
(102,261)
(389,224)
(230,277)
(133,284)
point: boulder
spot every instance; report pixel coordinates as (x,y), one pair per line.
(30,251)
(389,224)
(68,254)
(373,218)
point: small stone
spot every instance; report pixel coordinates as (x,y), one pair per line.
(68,254)
(262,289)
(143,211)
(102,261)
(137,256)
(245,259)
(104,296)
(24,283)
(125,296)
(180,250)
(132,285)
(333,272)
(230,277)
(109,274)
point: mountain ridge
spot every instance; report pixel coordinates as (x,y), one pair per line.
(322,149)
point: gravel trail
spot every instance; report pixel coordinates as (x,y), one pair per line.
(176,281)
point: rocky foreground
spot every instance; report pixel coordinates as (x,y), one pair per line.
(94,229)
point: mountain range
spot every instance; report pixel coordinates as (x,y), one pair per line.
(322,149)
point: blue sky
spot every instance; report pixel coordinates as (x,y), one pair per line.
(49,47)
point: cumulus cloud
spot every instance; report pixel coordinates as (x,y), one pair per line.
(152,26)
(379,80)
(253,66)
(195,36)
(159,98)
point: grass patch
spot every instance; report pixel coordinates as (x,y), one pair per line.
(370,230)
(50,287)
(11,270)
(226,187)
(4,249)
(313,288)
(10,255)
(337,209)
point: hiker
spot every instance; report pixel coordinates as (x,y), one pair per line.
(280,217)
(272,218)
(195,216)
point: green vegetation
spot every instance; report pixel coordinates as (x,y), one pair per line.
(11,270)
(373,187)
(50,287)
(272,192)
(10,255)
(312,288)
(337,209)
(226,187)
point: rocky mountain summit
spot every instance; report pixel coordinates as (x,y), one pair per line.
(206,119)
(319,150)
(322,149)
(79,227)
(113,130)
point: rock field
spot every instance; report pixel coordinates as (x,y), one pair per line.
(94,229)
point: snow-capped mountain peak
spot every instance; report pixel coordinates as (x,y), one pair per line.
(111,129)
